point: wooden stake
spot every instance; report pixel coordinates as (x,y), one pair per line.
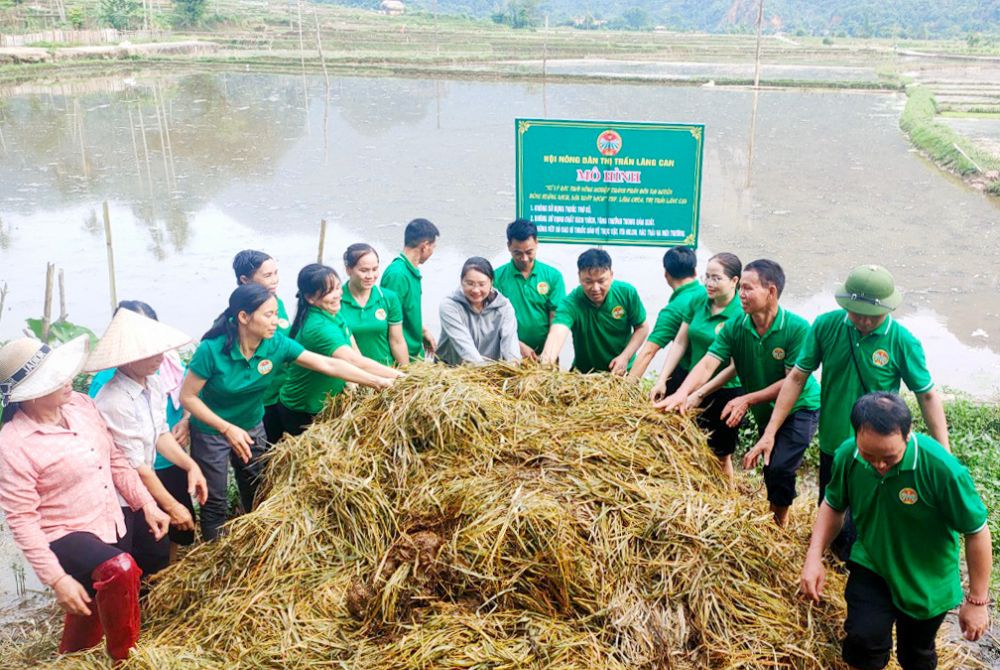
(319,47)
(322,240)
(111,257)
(3,298)
(62,296)
(47,310)
(760,29)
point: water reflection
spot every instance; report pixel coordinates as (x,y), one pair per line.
(198,166)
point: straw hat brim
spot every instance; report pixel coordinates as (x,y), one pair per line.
(59,367)
(866,308)
(132,337)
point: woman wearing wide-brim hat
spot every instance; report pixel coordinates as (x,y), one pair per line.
(59,474)
(134,405)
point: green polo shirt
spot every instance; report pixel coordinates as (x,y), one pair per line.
(703,326)
(909,521)
(601,333)
(322,333)
(884,357)
(278,374)
(676,312)
(762,360)
(403,278)
(234,386)
(533,299)
(370,324)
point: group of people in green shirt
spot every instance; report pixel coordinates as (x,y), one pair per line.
(733,349)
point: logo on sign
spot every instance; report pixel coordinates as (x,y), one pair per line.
(880,358)
(609,143)
(618,312)
(908,496)
(778,354)
(380,314)
(543,288)
(265,366)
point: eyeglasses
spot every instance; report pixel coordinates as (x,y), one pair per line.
(715,279)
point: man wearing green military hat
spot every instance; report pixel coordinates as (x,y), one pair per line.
(861,349)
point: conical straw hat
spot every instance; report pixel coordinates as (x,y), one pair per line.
(132,337)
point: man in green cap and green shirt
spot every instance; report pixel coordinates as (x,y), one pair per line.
(605,316)
(533,288)
(680,270)
(762,344)
(911,499)
(402,276)
(862,349)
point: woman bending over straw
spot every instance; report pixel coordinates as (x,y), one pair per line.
(225,388)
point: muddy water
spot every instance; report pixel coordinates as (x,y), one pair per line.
(198,166)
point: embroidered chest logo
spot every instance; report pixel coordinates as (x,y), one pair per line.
(543,288)
(880,357)
(380,314)
(265,366)
(908,496)
(778,354)
(618,312)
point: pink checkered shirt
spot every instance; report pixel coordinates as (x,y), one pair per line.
(55,481)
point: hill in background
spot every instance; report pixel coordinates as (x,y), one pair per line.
(916,19)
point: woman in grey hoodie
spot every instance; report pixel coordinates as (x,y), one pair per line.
(477,323)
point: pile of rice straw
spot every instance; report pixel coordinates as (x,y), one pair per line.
(500,518)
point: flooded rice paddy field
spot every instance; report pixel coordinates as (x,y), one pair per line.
(197,166)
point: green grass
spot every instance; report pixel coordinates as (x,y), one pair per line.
(938,140)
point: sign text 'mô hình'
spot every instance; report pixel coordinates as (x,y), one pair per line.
(597,182)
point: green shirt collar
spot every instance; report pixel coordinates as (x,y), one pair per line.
(376,297)
(777,326)
(731,310)
(237,355)
(908,462)
(414,270)
(881,330)
(682,288)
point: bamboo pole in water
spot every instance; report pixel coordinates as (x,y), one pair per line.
(3,298)
(62,296)
(319,47)
(322,240)
(50,271)
(756,94)
(111,257)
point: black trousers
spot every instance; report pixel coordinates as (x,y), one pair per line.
(79,553)
(870,617)
(790,446)
(213,455)
(841,545)
(175,481)
(292,421)
(150,554)
(721,438)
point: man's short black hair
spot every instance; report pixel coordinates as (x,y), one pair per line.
(593,259)
(680,262)
(419,231)
(883,412)
(769,272)
(521,230)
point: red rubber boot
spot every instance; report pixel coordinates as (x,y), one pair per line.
(116,581)
(81,632)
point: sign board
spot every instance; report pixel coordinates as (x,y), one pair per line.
(597,182)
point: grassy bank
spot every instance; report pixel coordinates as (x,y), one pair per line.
(943,145)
